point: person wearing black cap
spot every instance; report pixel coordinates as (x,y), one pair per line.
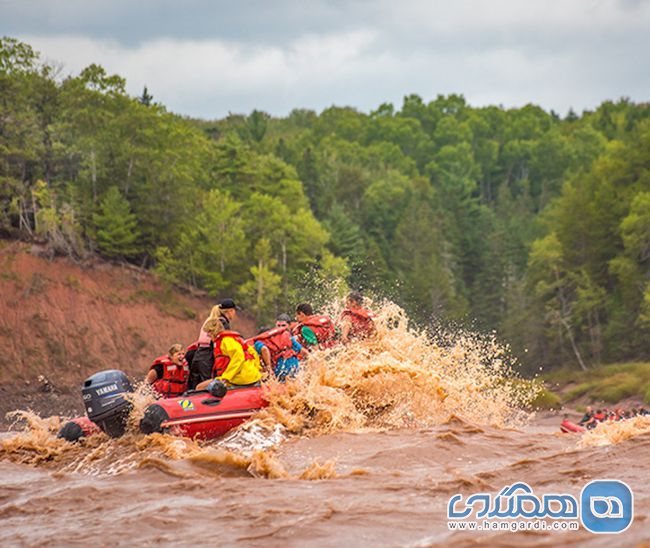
(228,312)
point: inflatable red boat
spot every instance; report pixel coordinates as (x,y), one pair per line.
(569,427)
(201,414)
(196,414)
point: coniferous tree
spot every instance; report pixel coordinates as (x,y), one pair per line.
(256,124)
(116,226)
(146,98)
(345,235)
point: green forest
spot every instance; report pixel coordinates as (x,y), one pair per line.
(517,221)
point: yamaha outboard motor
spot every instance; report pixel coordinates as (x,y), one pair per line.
(103,395)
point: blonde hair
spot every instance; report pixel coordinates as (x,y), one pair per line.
(178,347)
(213,326)
(215,312)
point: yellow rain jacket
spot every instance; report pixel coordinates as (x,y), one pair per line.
(234,360)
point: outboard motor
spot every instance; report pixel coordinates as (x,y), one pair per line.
(103,395)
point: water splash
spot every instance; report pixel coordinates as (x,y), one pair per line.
(142,396)
(35,444)
(614,432)
(400,378)
(252,436)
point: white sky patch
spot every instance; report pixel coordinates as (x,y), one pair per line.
(181,74)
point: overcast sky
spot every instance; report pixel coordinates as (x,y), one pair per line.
(206,58)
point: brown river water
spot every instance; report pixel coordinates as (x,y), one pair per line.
(366,446)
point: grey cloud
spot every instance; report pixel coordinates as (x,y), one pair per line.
(208,58)
(282,21)
(133,22)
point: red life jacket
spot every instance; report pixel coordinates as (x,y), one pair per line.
(323,328)
(174,378)
(278,341)
(222,360)
(361,324)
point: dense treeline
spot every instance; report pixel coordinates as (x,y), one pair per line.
(513,220)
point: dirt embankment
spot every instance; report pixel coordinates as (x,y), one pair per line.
(63,321)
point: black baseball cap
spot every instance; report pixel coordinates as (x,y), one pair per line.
(228,303)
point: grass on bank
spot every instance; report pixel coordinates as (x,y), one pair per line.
(607,383)
(546,399)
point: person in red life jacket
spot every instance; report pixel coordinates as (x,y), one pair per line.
(596,417)
(355,320)
(169,374)
(283,320)
(279,350)
(313,329)
(235,361)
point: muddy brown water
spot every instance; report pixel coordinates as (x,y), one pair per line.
(387,488)
(365,448)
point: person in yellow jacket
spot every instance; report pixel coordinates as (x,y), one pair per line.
(235,361)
